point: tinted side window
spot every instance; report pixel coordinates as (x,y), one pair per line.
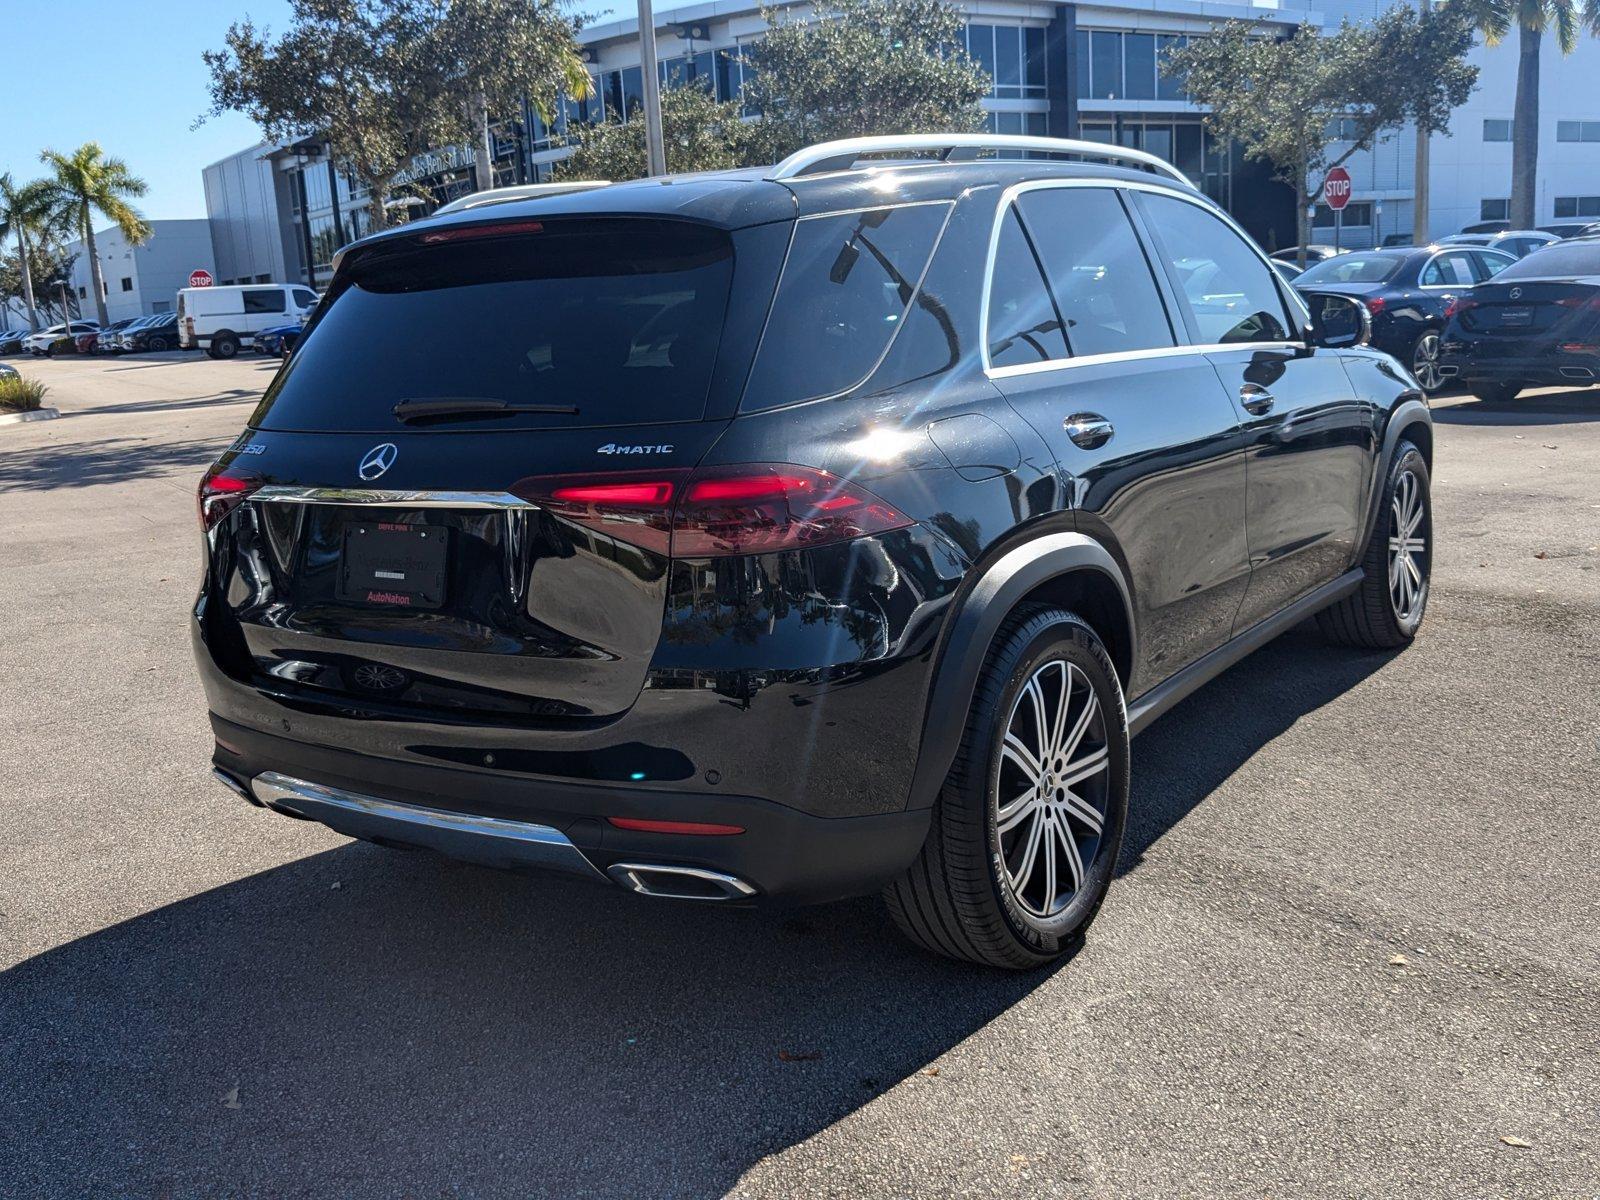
(1486,266)
(846,286)
(1448,270)
(263,300)
(1023,324)
(1229,290)
(1097,271)
(304,298)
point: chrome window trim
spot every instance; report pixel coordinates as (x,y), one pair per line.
(1009,197)
(278,494)
(1459,248)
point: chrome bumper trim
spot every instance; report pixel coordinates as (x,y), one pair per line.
(281,494)
(493,841)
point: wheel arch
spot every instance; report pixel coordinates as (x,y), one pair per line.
(1066,569)
(1411,420)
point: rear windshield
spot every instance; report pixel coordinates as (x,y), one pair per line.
(615,320)
(1352,268)
(1563,260)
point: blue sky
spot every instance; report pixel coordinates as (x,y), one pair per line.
(128,74)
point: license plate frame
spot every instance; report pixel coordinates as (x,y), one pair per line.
(392,564)
(1516,318)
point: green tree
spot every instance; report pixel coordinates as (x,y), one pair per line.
(1277,97)
(1532,19)
(383,80)
(86,182)
(25,213)
(867,67)
(47,260)
(699,135)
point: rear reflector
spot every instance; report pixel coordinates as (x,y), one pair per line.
(759,508)
(696,828)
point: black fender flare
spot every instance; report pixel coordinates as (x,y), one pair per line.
(1411,410)
(971,629)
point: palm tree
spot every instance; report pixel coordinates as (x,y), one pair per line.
(1531,18)
(85,182)
(24,211)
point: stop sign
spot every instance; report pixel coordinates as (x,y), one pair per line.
(1336,189)
(200,277)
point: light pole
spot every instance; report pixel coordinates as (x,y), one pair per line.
(1420,199)
(654,150)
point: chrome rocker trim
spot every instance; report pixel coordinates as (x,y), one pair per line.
(492,841)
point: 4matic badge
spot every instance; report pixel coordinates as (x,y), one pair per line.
(613,448)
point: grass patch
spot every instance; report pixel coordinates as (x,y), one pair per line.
(20,395)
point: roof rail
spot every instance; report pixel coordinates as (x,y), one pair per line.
(958,147)
(519,191)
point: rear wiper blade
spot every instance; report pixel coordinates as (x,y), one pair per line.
(435,408)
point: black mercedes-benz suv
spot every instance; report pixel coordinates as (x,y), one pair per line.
(796,532)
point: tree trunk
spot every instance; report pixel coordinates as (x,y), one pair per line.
(378,203)
(27,279)
(1525,130)
(484,158)
(1302,223)
(96,283)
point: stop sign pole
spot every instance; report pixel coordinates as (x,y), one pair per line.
(1336,191)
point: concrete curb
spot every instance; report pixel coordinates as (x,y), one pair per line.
(38,414)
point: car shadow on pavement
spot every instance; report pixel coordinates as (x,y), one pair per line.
(1542,408)
(107,460)
(231,396)
(365,1021)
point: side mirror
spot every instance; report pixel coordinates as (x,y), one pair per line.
(1337,321)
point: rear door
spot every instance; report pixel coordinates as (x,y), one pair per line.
(421,531)
(1080,340)
(1309,438)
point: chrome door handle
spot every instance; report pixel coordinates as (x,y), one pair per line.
(1256,399)
(1088,430)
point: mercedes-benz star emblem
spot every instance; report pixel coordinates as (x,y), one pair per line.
(1516,293)
(378,460)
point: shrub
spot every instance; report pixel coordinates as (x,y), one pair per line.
(20,395)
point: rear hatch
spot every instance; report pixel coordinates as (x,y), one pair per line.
(404,527)
(1515,317)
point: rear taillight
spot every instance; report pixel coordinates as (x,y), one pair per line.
(1459,305)
(1375,305)
(1590,302)
(221,493)
(717,511)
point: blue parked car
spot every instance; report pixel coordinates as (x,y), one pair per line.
(280,339)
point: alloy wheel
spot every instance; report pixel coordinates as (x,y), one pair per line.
(1425,363)
(1408,548)
(1050,792)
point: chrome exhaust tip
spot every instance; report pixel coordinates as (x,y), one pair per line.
(1583,373)
(234,786)
(679,883)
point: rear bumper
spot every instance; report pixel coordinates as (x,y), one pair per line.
(1546,370)
(503,821)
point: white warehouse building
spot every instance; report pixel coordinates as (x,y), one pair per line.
(141,280)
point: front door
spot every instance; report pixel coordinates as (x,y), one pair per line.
(1308,436)
(1140,425)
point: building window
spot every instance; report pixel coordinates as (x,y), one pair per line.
(127,284)
(1125,66)
(1577,206)
(1356,215)
(1496,130)
(1494,210)
(83,292)
(1578,131)
(1342,129)
(1012,56)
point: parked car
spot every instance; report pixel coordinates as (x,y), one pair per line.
(1287,271)
(607,589)
(159,332)
(41,342)
(7,371)
(105,341)
(278,340)
(11,340)
(1535,324)
(220,319)
(1397,239)
(1406,291)
(1572,229)
(1487,227)
(1519,243)
(1314,253)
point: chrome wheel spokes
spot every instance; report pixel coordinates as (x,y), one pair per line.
(1425,363)
(1051,788)
(1408,547)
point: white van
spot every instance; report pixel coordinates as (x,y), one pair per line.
(221,319)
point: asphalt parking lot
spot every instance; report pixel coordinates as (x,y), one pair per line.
(1354,949)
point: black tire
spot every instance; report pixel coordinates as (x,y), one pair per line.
(156,343)
(958,898)
(1372,617)
(224,345)
(1496,393)
(1424,361)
